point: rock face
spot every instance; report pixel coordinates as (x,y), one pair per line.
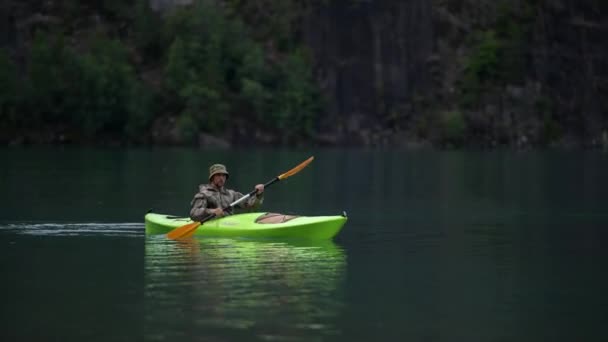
(397,65)
(372,59)
(568,58)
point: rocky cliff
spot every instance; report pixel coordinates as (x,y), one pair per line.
(473,72)
(404,73)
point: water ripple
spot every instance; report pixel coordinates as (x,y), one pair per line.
(75,229)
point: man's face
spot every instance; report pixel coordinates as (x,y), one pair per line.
(219,180)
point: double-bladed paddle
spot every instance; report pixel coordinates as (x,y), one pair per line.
(188,230)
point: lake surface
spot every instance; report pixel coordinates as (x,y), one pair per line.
(439,246)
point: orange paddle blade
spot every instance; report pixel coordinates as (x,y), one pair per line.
(183,231)
(296,169)
(189,233)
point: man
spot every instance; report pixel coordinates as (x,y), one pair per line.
(212,197)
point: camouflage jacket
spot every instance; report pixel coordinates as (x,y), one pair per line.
(208,197)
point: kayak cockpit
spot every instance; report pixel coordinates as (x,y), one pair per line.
(274,218)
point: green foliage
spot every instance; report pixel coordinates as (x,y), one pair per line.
(198,88)
(52,69)
(97,92)
(284,95)
(214,67)
(274,21)
(298,99)
(498,53)
(198,63)
(147,31)
(482,68)
(551,130)
(213,70)
(256,95)
(205,106)
(178,69)
(187,128)
(484,63)
(255,82)
(453,127)
(107,88)
(140,110)
(512,28)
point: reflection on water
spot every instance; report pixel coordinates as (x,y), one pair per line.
(231,288)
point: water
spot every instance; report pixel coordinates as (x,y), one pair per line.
(243,289)
(439,246)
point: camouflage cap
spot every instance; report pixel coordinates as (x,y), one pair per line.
(217,168)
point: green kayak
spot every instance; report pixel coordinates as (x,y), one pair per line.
(254,225)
